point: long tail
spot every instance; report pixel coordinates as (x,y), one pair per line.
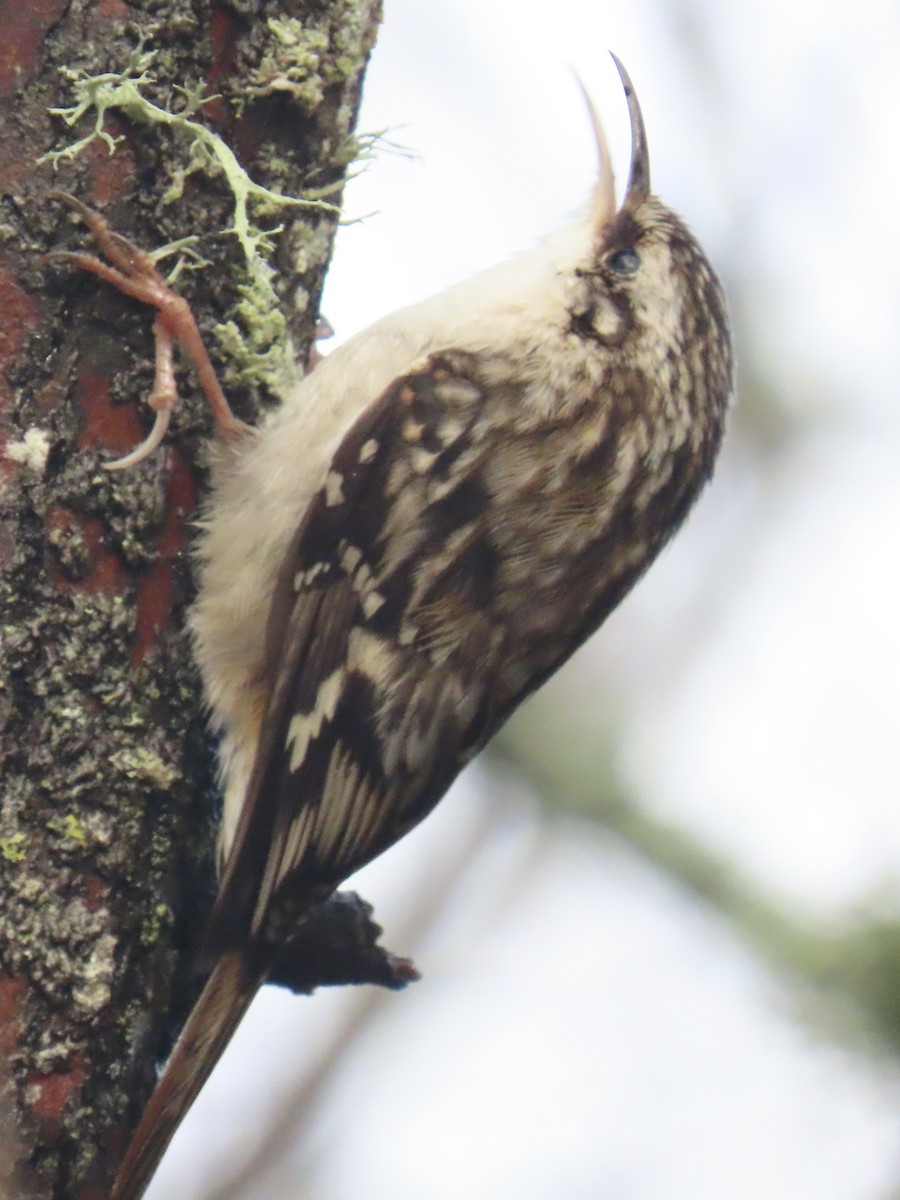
(209,1029)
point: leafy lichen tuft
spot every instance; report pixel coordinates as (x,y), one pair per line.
(296,62)
(12,848)
(70,828)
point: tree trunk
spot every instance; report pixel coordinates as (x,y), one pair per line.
(107,803)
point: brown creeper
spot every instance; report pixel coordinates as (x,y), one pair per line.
(424,531)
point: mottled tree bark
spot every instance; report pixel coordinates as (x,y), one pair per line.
(107,803)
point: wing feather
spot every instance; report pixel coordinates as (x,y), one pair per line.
(365,711)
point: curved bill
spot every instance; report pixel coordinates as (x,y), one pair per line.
(604,204)
(638,187)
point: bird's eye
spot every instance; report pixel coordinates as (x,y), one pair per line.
(624,262)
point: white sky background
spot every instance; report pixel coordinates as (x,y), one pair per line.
(596,1034)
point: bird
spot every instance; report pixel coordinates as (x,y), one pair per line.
(424,530)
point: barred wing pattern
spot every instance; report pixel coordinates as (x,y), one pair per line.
(379,654)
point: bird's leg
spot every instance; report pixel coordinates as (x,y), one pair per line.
(132,271)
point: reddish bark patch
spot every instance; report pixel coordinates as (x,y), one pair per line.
(51,1094)
(115,427)
(24,28)
(21,314)
(224,33)
(112,175)
(11,993)
(156,588)
(95,892)
(108,575)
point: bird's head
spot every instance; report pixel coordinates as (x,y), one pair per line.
(647,291)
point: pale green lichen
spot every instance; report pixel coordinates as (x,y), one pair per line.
(13,848)
(262,351)
(92,992)
(156,924)
(294,63)
(70,827)
(124,93)
(140,763)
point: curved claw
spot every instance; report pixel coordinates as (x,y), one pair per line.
(132,272)
(150,443)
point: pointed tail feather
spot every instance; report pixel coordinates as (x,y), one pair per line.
(209,1029)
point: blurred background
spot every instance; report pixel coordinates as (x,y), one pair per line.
(659,923)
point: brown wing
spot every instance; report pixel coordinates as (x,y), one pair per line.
(379,648)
